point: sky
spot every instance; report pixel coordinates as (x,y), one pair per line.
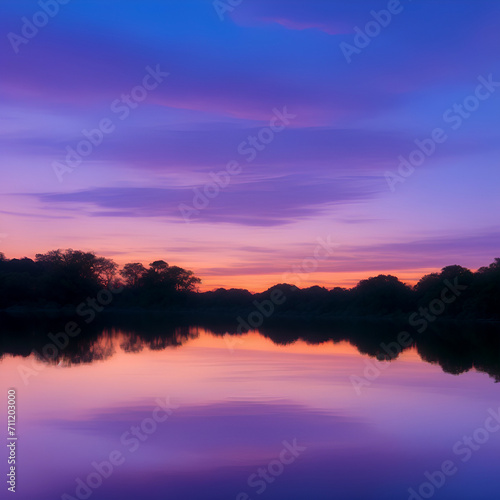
(253,142)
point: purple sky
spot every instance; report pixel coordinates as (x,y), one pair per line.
(321,172)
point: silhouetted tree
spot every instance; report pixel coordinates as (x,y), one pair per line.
(184,281)
(431,287)
(133,272)
(158,266)
(85,265)
(485,291)
(105,270)
(382,294)
(169,278)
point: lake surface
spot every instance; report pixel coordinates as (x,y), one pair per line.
(198,415)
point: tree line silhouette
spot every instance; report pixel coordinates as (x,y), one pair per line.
(64,278)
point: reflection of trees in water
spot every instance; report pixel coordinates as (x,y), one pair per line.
(460,350)
(455,348)
(136,341)
(97,348)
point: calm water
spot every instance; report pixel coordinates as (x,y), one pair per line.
(248,418)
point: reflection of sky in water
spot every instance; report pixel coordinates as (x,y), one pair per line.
(235,410)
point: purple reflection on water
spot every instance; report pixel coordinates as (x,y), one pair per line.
(210,451)
(235,412)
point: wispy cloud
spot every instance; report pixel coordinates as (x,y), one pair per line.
(273,202)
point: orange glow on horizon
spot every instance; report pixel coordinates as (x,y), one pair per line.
(255,283)
(260,282)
